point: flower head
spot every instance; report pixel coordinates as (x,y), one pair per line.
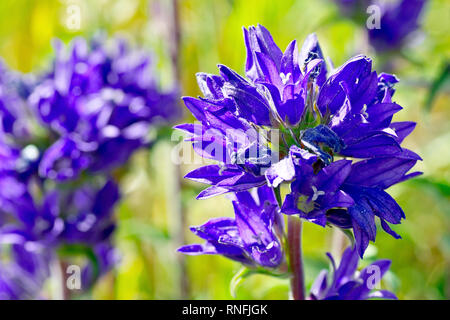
(100,102)
(293,120)
(346,284)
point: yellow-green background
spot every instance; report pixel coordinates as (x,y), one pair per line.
(148,232)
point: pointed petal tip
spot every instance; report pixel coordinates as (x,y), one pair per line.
(179,126)
(184,249)
(312,36)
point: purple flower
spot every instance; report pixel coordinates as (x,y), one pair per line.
(24,273)
(312,195)
(248,238)
(63,160)
(398,21)
(14,120)
(95,107)
(100,103)
(82,218)
(89,213)
(352,119)
(346,284)
(366,184)
(79,216)
(37,228)
(289,120)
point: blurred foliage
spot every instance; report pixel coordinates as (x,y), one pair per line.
(212,34)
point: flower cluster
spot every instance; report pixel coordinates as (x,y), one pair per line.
(62,136)
(99,104)
(327,134)
(320,117)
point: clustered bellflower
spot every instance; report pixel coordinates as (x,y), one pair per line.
(62,136)
(292,120)
(100,104)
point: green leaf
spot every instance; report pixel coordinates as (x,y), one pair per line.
(245,272)
(144,231)
(237,280)
(442,187)
(439,83)
(349,235)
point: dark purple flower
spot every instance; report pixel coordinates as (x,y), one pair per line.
(100,102)
(82,218)
(88,215)
(352,116)
(23,268)
(63,160)
(248,238)
(37,227)
(313,194)
(346,284)
(366,184)
(14,118)
(95,107)
(398,21)
(289,120)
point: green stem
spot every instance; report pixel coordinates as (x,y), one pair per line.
(278,195)
(295,258)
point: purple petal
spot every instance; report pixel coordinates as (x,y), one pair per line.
(332,95)
(403,129)
(364,218)
(380,172)
(383,294)
(375,146)
(284,170)
(211,192)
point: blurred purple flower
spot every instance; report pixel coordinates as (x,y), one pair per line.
(23,269)
(398,21)
(105,258)
(96,107)
(14,116)
(101,102)
(346,284)
(88,213)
